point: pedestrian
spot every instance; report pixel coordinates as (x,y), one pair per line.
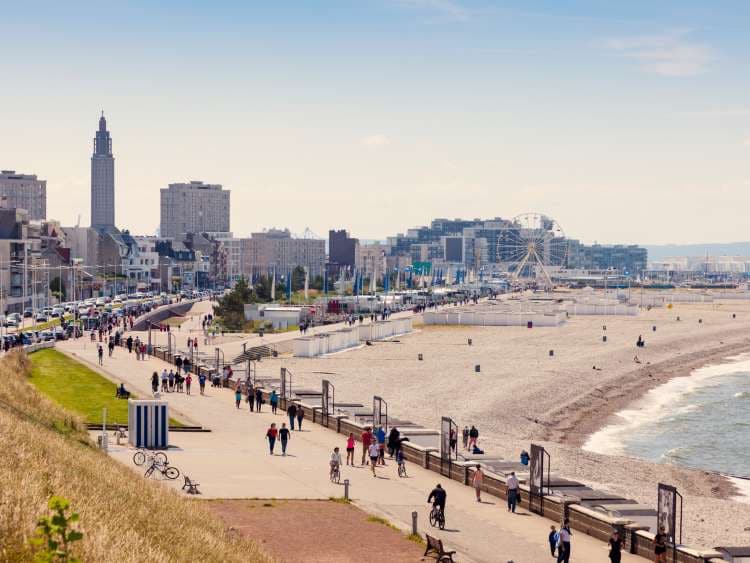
(202,382)
(615,547)
(258,398)
(300,416)
(553,539)
(129,343)
(155,382)
(238,396)
(563,548)
(111,347)
(473,436)
(477,481)
(380,435)
(291,412)
(171,380)
(350,449)
(366,439)
(394,441)
(374,452)
(660,546)
(271,436)
(164,380)
(466,437)
(512,485)
(250,395)
(284,436)
(452,440)
(524,457)
(100,351)
(188,381)
(274,400)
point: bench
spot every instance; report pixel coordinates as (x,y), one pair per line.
(436,545)
(191,486)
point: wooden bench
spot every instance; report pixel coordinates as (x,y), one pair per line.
(436,545)
(191,486)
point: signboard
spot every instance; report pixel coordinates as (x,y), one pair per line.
(282,391)
(666,511)
(536,478)
(325,399)
(447,426)
(421,268)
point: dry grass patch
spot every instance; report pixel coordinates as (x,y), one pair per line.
(123,517)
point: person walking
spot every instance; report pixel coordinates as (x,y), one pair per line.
(374,452)
(350,449)
(250,395)
(366,439)
(394,441)
(380,435)
(164,380)
(291,412)
(615,547)
(100,352)
(258,398)
(284,436)
(202,382)
(238,396)
(660,546)
(563,549)
(274,400)
(129,343)
(111,347)
(553,539)
(300,416)
(155,382)
(271,434)
(188,381)
(171,381)
(473,436)
(512,485)
(477,481)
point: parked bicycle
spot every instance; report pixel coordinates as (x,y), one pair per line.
(166,470)
(142,456)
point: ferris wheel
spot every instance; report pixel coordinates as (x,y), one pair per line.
(531,246)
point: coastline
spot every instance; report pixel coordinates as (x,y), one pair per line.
(597,409)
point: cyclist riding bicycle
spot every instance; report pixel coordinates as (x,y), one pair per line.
(401,460)
(335,462)
(437,498)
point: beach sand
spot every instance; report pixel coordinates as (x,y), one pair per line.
(523,394)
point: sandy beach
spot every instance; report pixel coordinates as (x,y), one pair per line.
(523,394)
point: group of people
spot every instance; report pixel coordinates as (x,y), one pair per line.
(559,543)
(374,446)
(175,382)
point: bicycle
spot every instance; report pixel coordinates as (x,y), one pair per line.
(437,518)
(142,456)
(402,470)
(335,474)
(166,470)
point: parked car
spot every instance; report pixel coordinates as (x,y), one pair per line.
(28,312)
(41,318)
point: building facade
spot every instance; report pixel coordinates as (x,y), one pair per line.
(194,207)
(103,180)
(24,191)
(342,249)
(275,250)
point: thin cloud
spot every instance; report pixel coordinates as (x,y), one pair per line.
(378,140)
(446,10)
(667,54)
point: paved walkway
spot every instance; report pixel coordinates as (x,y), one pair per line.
(233,461)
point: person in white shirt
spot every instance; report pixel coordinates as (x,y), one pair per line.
(335,462)
(374,453)
(512,485)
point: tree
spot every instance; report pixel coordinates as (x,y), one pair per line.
(317,283)
(231,307)
(57,287)
(298,278)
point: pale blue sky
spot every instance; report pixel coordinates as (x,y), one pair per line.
(626,121)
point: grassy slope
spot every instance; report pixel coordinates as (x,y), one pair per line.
(123,516)
(77,388)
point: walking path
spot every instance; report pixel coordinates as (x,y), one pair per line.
(232,461)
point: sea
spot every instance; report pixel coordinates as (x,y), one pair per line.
(701,421)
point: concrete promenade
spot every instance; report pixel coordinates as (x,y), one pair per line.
(232,461)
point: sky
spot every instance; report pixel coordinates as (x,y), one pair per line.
(627,122)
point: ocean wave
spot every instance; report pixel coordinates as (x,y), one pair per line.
(676,454)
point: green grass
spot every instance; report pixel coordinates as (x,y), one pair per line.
(416,538)
(78,388)
(383,521)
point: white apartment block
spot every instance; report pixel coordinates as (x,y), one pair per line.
(194,207)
